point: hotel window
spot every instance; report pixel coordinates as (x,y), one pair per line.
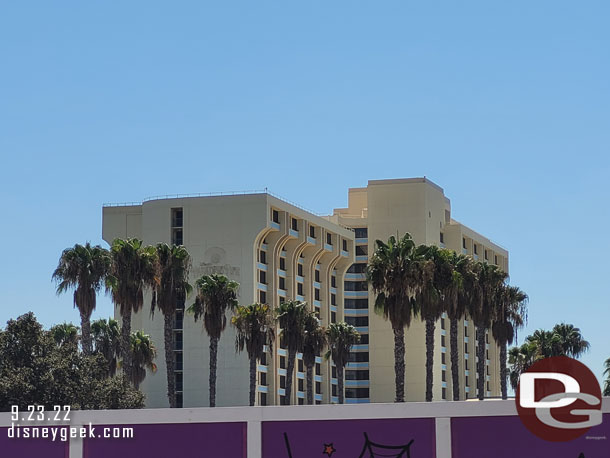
(318,369)
(318,387)
(475,248)
(466,383)
(356,303)
(282,299)
(357,268)
(463,242)
(486,255)
(361,232)
(264,359)
(333,299)
(262,256)
(344,245)
(486,354)
(495,260)
(300,365)
(179,399)
(178,341)
(317,276)
(362,250)
(333,281)
(364,339)
(355,286)
(262,297)
(465,331)
(294,224)
(443,358)
(262,277)
(488,387)
(442,323)
(333,372)
(300,289)
(282,381)
(179,319)
(357,393)
(442,237)
(275,215)
(442,341)
(300,270)
(357,320)
(312,232)
(444,375)
(300,384)
(359,357)
(465,347)
(179,361)
(334,390)
(486,337)
(282,263)
(263,381)
(357,375)
(177,237)
(179,381)
(466,364)
(333,317)
(444,393)
(282,283)
(282,362)
(263,399)
(329,239)
(316,294)
(301,401)
(487,367)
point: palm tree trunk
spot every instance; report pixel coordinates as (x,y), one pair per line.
(213,363)
(85,326)
(503,371)
(399,363)
(309,375)
(430,327)
(168,335)
(289,371)
(252,381)
(481,362)
(126,345)
(340,384)
(455,370)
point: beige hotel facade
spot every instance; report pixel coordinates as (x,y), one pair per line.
(279,251)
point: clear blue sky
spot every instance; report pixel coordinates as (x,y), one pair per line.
(506,106)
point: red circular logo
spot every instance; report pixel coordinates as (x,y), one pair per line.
(559,399)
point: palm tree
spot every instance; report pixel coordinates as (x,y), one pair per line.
(510,315)
(291,317)
(570,341)
(255,325)
(134,268)
(393,276)
(84,268)
(341,337)
(491,280)
(144,353)
(215,295)
(171,291)
(520,360)
(607,374)
(545,343)
(65,334)
(107,340)
(313,344)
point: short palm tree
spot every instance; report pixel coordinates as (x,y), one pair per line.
(570,341)
(607,374)
(144,354)
(546,343)
(510,315)
(215,295)
(107,341)
(341,337)
(314,342)
(134,268)
(520,359)
(65,334)
(393,275)
(171,291)
(255,325)
(291,317)
(83,268)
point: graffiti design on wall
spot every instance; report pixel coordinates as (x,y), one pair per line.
(370,449)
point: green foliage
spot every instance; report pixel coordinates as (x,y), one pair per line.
(144,353)
(292,316)
(341,337)
(215,295)
(35,370)
(107,341)
(173,285)
(255,326)
(607,381)
(65,334)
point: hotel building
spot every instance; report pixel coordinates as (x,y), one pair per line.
(279,251)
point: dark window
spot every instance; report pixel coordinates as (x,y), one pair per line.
(361,232)
(263,379)
(442,323)
(333,281)
(344,245)
(179,319)
(312,231)
(300,270)
(465,347)
(355,286)
(356,303)
(364,339)
(444,393)
(300,289)
(465,331)
(442,341)
(318,387)
(488,386)
(356,375)
(475,248)
(463,242)
(282,381)
(300,365)
(487,367)
(276,216)
(179,361)
(486,338)
(179,399)
(316,292)
(466,364)
(262,297)
(317,276)
(333,372)
(263,399)
(333,299)
(177,237)
(466,382)
(362,250)
(357,269)
(282,283)
(443,358)
(444,376)
(264,359)
(179,381)
(262,277)
(282,362)
(358,357)
(282,263)
(301,401)
(358,393)
(357,320)
(282,299)
(318,402)
(329,239)
(334,390)
(178,342)
(263,256)
(318,369)
(333,317)
(300,384)
(295,224)
(486,255)
(486,354)
(177,220)
(442,237)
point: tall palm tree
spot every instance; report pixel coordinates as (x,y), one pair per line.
(570,341)
(510,315)
(491,279)
(520,359)
(65,334)
(215,295)
(144,353)
(313,344)
(107,340)
(255,325)
(607,374)
(134,268)
(341,338)
(172,290)
(83,268)
(394,278)
(291,317)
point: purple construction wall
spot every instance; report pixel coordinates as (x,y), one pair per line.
(29,448)
(184,440)
(506,437)
(346,438)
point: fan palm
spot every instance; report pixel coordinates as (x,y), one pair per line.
(313,344)
(291,317)
(255,325)
(546,343)
(520,359)
(83,268)
(341,337)
(65,334)
(169,293)
(215,295)
(144,353)
(134,268)
(393,275)
(107,340)
(570,341)
(510,315)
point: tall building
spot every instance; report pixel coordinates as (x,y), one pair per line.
(417,206)
(278,251)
